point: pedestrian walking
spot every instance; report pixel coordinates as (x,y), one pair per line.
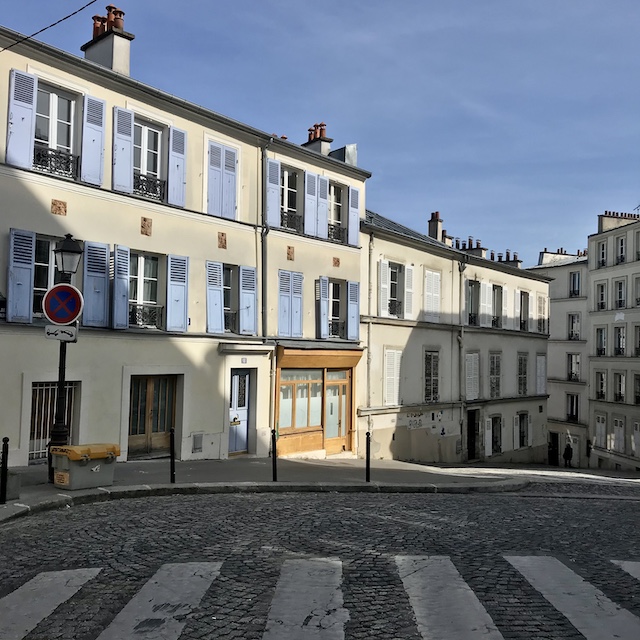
(568,454)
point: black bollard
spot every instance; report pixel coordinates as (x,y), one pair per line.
(368,459)
(274,456)
(172,446)
(4,470)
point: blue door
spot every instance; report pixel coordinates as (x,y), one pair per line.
(239,412)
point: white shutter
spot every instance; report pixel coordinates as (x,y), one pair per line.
(383,288)
(530,431)
(408,293)
(505,309)
(516,432)
(487,437)
(516,309)
(392,364)
(431,296)
(485,304)
(472,361)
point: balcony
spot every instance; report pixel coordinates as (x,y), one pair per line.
(337,233)
(574,293)
(574,335)
(524,325)
(337,329)
(601,351)
(149,186)
(618,351)
(496,321)
(600,395)
(621,304)
(602,305)
(291,220)
(620,259)
(230,321)
(59,163)
(145,315)
(572,417)
(473,319)
(618,397)
(395,308)
(573,376)
(602,262)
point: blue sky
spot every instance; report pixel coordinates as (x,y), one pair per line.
(518,120)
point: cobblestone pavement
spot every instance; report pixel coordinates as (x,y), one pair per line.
(247,540)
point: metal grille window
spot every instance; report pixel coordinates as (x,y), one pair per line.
(431,366)
(495,360)
(523,365)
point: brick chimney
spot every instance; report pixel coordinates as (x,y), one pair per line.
(435,226)
(110,45)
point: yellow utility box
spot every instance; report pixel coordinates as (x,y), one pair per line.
(84,466)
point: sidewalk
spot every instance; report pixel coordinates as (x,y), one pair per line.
(247,474)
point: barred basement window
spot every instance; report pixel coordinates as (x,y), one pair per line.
(431,367)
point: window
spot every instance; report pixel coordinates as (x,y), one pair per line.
(573,367)
(146,161)
(618,435)
(45,272)
(496,434)
(541,374)
(395,290)
(496,306)
(542,314)
(301,393)
(337,229)
(619,383)
(472,370)
(431,296)
(336,306)
(495,360)
(524,311)
(636,389)
(290,304)
(619,340)
(601,296)
(636,288)
(620,288)
(291,214)
(601,431)
(601,341)
(637,340)
(431,365)
(621,251)
(338,309)
(574,326)
(574,284)
(143,291)
(602,254)
(392,369)
(473,302)
(572,407)
(601,385)
(523,365)
(222,178)
(523,429)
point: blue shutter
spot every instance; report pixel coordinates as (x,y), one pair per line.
(229,184)
(93,125)
(310,203)
(215,297)
(354,216)
(353,310)
(273,193)
(323,307)
(22,119)
(214,180)
(177,289)
(120,309)
(22,253)
(248,302)
(323,207)
(296,305)
(123,150)
(95,285)
(177,167)
(284,303)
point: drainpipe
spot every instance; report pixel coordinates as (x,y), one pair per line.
(462,265)
(369,304)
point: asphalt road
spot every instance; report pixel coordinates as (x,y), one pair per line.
(325,566)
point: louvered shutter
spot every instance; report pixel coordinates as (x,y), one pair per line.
(392,366)
(532,313)
(297,312)
(432,296)
(22,253)
(541,374)
(529,431)
(273,193)
(123,150)
(516,432)
(505,309)
(353,310)
(230,169)
(485,304)
(468,307)
(354,216)
(503,435)
(214,180)
(472,361)
(408,293)
(177,293)
(22,119)
(95,285)
(177,174)
(215,297)
(284,303)
(383,288)
(120,309)
(516,310)
(248,311)
(488,448)
(323,307)
(93,128)
(323,208)
(310,203)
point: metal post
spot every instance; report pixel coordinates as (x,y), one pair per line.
(274,456)
(4,470)
(368,458)
(59,431)
(172,445)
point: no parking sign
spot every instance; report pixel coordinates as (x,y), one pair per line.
(62,304)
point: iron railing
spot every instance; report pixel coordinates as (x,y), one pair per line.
(602,262)
(337,329)
(395,308)
(618,397)
(621,304)
(230,321)
(149,186)
(496,321)
(572,417)
(574,335)
(291,220)
(59,163)
(618,351)
(573,376)
(620,259)
(337,233)
(145,315)
(601,351)
(600,395)
(602,305)
(473,319)
(574,293)
(524,325)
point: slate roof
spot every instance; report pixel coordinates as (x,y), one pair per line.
(374,219)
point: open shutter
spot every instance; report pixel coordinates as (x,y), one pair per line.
(273,193)
(533,313)
(93,126)
(516,432)
(177,291)
(214,180)
(284,303)
(95,285)
(383,288)
(408,293)
(296,305)
(487,437)
(322,223)
(177,167)
(353,310)
(215,297)
(530,431)
(466,311)
(516,310)
(323,307)
(505,308)
(485,304)
(310,203)
(22,119)
(230,169)
(120,309)
(354,216)
(248,312)
(123,150)
(22,253)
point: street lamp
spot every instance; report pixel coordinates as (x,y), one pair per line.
(67,254)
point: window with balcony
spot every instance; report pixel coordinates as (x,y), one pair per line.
(572,407)
(573,367)
(45,272)
(395,290)
(574,284)
(621,249)
(542,324)
(523,366)
(497,295)
(601,296)
(337,229)
(636,289)
(523,316)
(601,341)
(431,379)
(619,341)
(619,383)
(601,385)
(620,288)
(495,374)
(290,204)
(146,161)
(573,321)
(337,308)
(636,339)
(473,302)
(601,254)
(144,310)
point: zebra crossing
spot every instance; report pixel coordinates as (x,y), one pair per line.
(308,600)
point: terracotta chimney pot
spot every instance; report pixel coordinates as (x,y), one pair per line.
(110,16)
(323,130)
(311,134)
(118,19)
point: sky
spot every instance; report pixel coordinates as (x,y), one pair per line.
(517,120)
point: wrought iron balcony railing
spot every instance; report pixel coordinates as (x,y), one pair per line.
(395,308)
(621,304)
(473,319)
(496,321)
(574,293)
(602,262)
(573,376)
(145,315)
(620,259)
(618,351)
(618,397)
(149,186)
(600,395)
(291,220)
(637,398)
(337,329)
(572,417)
(337,233)
(637,351)
(602,305)
(230,320)
(524,325)
(601,351)
(59,163)
(574,335)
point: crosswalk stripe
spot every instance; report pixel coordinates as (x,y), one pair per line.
(632,568)
(158,610)
(307,603)
(586,607)
(23,609)
(444,605)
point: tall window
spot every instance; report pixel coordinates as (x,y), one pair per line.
(473,302)
(573,367)
(337,229)
(395,289)
(601,296)
(146,161)
(523,429)
(524,311)
(621,249)
(602,254)
(572,407)
(542,314)
(636,340)
(45,272)
(496,306)
(431,365)
(494,374)
(523,365)
(619,340)
(601,385)
(636,389)
(291,216)
(496,434)
(636,287)
(619,384)
(618,435)
(227,297)
(143,291)
(601,431)
(574,326)
(620,287)
(336,320)
(574,284)
(601,341)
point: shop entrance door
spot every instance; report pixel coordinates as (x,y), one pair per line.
(337,414)
(239,412)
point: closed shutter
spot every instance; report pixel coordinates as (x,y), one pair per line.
(322,225)
(310,203)
(214,180)
(516,432)
(22,253)
(392,367)
(22,119)
(229,188)
(248,311)
(284,303)
(177,167)
(93,129)
(323,307)
(503,436)
(408,293)
(95,285)
(354,217)
(123,150)
(505,309)
(177,290)
(541,375)
(472,365)
(215,297)
(529,431)
(432,296)
(383,288)
(488,433)
(353,310)
(120,309)
(273,193)
(296,305)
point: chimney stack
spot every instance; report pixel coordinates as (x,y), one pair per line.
(435,227)
(318,140)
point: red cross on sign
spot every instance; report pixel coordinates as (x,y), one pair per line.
(62,304)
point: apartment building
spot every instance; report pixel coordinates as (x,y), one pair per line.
(456,348)
(221,267)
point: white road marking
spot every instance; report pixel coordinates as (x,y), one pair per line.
(632,568)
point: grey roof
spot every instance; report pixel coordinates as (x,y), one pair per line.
(373,219)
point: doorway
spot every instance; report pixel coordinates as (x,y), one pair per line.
(473,434)
(554,448)
(239,411)
(337,425)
